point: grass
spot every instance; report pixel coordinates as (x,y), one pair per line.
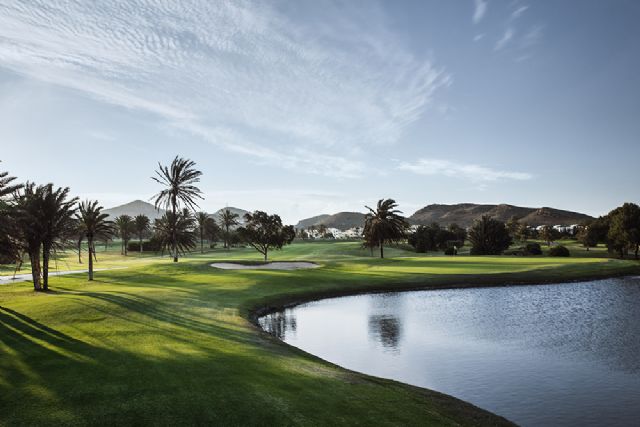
(165,344)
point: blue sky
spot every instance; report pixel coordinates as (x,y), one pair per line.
(312,107)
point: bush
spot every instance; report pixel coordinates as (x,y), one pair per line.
(489,236)
(450,251)
(560,251)
(533,249)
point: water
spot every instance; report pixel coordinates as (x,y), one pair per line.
(561,355)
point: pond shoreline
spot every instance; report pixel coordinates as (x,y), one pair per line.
(283,302)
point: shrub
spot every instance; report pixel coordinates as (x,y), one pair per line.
(560,251)
(450,251)
(533,249)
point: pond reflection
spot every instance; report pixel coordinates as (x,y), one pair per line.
(385,329)
(279,324)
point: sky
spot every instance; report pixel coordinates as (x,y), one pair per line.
(308,107)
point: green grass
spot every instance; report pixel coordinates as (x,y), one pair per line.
(165,344)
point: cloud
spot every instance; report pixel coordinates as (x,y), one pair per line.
(480,8)
(505,39)
(242,75)
(470,172)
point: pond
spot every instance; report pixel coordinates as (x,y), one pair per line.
(562,355)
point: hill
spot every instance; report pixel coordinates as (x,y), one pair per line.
(134,208)
(464,214)
(341,220)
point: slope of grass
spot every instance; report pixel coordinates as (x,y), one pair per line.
(165,344)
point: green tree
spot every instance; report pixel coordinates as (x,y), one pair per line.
(45,221)
(624,229)
(176,235)
(125,227)
(202,219)
(212,231)
(265,232)
(513,226)
(9,247)
(94,225)
(489,236)
(524,232)
(384,224)
(179,181)
(228,220)
(142,224)
(549,234)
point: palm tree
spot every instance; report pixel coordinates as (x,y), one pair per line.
(126,227)
(94,225)
(179,181)
(8,246)
(176,234)
(142,224)
(202,218)
(28,226)
(227,220)
(384,225)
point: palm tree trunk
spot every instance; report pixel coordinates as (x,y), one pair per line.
(91,252)
(381,251)
(265,254)
(201,241)
(140,243)
(45,267)
(34,257)
(174,245)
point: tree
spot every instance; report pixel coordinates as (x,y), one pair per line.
(524,232)
(125,227)
(459,232)
(228,219)
(46,220)
(202,218)
(9,248)
(179,181)
(513,225)
(265,232)
(94,225)
(549,234)
(176,235)
(624,229)
(142,224)
(211,231)
(489,236)
(384,224)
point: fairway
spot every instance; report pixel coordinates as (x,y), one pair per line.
(165,344)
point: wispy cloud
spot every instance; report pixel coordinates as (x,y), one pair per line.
(480,8)
(470,172)
(505,39)
(240,75)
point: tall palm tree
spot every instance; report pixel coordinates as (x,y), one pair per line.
(142,225)
(94,224)
(384,225)
(228,219)
(29,227)
(126,227)
(179,181)
(202,218)
(176,234)
(59,224)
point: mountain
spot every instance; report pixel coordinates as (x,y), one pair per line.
(134,208)
(464,214)
(341,220)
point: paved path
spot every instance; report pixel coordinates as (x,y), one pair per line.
(27,276)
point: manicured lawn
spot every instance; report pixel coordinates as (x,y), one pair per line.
(166,344)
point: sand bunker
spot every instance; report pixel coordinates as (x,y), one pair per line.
(268,266)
